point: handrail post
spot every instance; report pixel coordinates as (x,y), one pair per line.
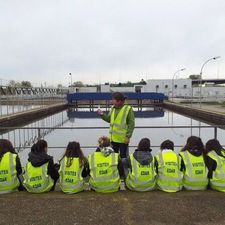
(215,132)
(39,133)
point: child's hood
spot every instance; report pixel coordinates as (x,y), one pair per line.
(143,157)
(38,159)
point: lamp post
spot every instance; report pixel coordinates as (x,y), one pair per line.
(200,83)
(71,79)
(173,79)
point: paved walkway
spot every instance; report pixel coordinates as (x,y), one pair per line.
(124,207)
(210,107)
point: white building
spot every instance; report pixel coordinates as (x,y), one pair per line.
(172,88)
(169,87)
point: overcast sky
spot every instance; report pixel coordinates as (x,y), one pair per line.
(110,40)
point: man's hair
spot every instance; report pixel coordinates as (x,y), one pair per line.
(118,96)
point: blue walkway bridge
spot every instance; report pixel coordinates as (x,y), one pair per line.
(92,96)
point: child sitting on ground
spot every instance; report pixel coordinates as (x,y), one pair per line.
(169,176)
(139,168)
(104,164)
(73,169)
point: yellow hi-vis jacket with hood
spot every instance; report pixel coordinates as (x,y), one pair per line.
(104,174)
(9,181)
(71,180)
(169,178)
(141,177)
(217,182)
(118,125)
(195,173)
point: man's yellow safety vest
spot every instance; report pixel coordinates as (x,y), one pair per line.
(118,125)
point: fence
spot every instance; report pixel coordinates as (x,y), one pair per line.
(39,132)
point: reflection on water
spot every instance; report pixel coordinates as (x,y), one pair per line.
(58,138)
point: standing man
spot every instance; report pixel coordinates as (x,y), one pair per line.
(121,119)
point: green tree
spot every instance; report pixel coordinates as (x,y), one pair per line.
(78,84)
(195,77)
(13,83)
(142,81)
(26,84)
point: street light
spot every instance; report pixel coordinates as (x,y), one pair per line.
(200,94)
(71,79)
(173,79)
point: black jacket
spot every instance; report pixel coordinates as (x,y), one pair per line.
(42,158)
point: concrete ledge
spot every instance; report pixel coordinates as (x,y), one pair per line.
(204,115)
(123,207)
(22,118)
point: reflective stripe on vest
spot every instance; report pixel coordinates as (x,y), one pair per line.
(141,177)
(118,125)
(71,180)
(36,179)
(217,181)
(9,181)
(104,175)
(169,177)
(195,174)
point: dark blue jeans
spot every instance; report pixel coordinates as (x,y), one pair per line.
(121,148)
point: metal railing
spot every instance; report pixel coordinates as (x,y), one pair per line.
(41,131)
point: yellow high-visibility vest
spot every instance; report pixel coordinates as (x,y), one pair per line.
(104,174)
(169,177)
(195,174)
(217,182)
(9,181)
(36,179)
(141,177)
(118,125)
(70,179)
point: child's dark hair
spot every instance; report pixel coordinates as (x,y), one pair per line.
(213,144)
(73,150)
(194,142)
(5,146)
(118,96)
(39,147)
(167,144)
(144,145)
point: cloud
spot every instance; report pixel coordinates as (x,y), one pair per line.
(99,41)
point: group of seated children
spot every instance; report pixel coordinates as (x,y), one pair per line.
(195,168)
